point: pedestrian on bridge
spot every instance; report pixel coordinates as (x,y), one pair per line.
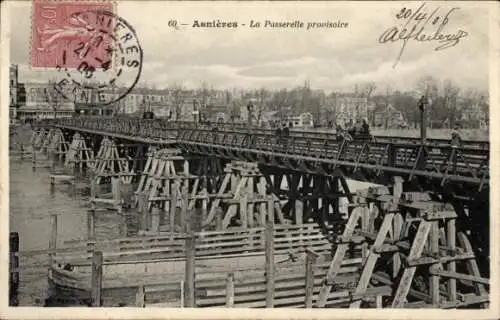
(339,131)
(286,131)
(456,137)
(286,135)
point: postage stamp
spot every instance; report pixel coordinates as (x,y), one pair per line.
(92,48)
(63,27)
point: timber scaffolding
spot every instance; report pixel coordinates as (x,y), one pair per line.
(50,143)
(110,165)
(412,251)
(410,244)
(237,195)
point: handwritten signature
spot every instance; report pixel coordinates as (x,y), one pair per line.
(416,25)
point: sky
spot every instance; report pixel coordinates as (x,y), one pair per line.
(329,58)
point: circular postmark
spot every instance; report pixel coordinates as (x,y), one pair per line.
(102,63)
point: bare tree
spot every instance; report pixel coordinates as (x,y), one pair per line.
(53,97)
(449,95)
(281,100)
(366,89)
(263,95)
(177,91)
(471,98)
(203,94)
(428,86)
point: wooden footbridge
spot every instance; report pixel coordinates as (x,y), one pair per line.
(421,236)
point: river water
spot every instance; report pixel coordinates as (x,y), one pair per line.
(32,202)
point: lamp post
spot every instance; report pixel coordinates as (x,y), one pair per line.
(422,105)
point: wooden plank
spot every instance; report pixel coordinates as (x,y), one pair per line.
(471,264)
(311,257)
(408,274)
(53,236)
(369,266)
(189,279)
(337,259)
(451,237)
(140,297)
(461,276)
(269,264)
(230,290)
(96,282)
(434,251)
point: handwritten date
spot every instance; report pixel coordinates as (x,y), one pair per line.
(421,26)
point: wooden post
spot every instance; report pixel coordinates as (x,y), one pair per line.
(189,287)
(182,294)
(91,231)
(397,226)
(93,188)
(218,218)
(140,297)
(451,241)
(299,212)
(189,298)
(116,189)
(186,216)
(155,219)
(243,211)
(365,225)
(186,172)
(434,250)
(90,224)
(310,265)
(96,281)
(33,158)
(262,214)
(173,206)
(397,187)
(52,157)
(204,205)
(14,268)
(269,248)
(53,237)
(230,290)
(270,209)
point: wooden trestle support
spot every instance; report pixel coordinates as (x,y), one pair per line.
(37,138)
(78,155)
(111,165)
(409,244)
(49,142)
(237,196)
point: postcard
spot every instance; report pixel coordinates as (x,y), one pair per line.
(249,159)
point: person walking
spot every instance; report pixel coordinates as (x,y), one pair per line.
(286,135)
(278,135)
(456,137)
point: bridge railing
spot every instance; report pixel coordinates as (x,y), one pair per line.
(163,129)
(443,160)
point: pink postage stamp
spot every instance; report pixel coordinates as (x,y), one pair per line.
(63,32)
(90,47)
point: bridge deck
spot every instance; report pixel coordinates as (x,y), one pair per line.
(436,159)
